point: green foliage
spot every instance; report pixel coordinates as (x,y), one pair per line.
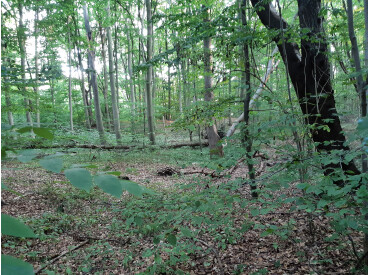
(11,265)
(80,178)
(12,227)
(109,184)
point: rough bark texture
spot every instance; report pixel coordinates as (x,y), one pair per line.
(94,84)
(213,137)
(116,121)
(310,76)
(149,73)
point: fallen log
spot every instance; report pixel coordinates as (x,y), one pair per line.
(114,147)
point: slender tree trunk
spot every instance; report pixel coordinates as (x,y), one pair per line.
(213,137)
(22,48)
(149,74)
(310,75)
(37,69)
(82,82)
(247,139)
(168,81)
(131,82)
(105,90)
(5,87)
(179,88)
(70,83)
(116,120)
(99,121)
(356,57)
(366,10)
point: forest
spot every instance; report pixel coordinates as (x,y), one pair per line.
(184,137)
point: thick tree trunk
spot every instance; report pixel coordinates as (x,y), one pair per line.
(213,137)
(116,120)
(99,121)
(149,74)
(310,75)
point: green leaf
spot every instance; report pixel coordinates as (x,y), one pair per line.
(156,240)
(24,129)
(109,184)
(11,266)
(172,240)
(27,155)
(114,173)
(186,232)
(322,203)
(12,227)
(132,187)
(43,132)
(52,164)
(80,178)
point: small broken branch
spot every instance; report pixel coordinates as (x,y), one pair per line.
(37,271)
(222,272)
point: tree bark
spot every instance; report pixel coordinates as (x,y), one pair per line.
(116,120)
(247,139)
(105,90)
(22,49)
(37,68)
(129,66)
(70,82)
(91,56)
(82,82)
(213,137)
(356,58)
(149,73)
(310,75)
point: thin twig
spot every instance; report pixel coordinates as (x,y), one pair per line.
(37,271)
(222,272)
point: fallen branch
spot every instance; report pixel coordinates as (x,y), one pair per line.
(222,272)
(115,147)
(37,271)
(270,68)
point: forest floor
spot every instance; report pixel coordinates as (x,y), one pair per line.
(106,235)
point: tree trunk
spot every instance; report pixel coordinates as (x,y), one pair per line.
(356,57)
(247,139)
(37,69)
(82,82)
(213,137)
(99,121)
(105,89)
(310,75)
(70,83)
(22,49)
(168,115)
(129,66)
(116,120)
(149,73)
